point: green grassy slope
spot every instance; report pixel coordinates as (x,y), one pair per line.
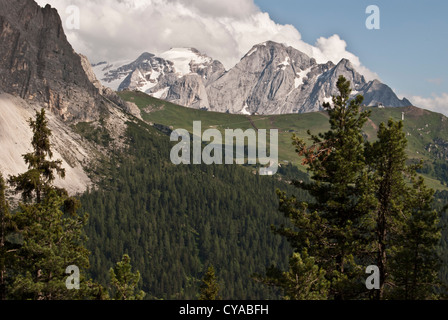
(422,127)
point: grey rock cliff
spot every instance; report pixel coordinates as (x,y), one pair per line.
(270,79)
(163,78)
(37,63)
(275,79)
(39,68)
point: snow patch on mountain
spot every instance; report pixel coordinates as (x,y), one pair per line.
(298,81)
(161,94)
(271,78)
(244,110)
(183,58)
(253,50)
(102,70)
(286,62)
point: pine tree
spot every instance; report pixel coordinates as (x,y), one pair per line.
(304,280)
(52,241)
(124,282)
(37,181)
(7,249)
(209,289)
(406,229)
(386,159)
(369,208)
(51,230)
(415,263)
(330,229)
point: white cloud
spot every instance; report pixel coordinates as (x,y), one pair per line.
(225,30)
(437,103)
(334,49)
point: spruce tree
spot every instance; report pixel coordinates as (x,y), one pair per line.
(386,159)
(52,241)
(415,262)
(37,181)
(124,281)
(330,229)
(7,249)
(405,229)
(209,288)
(51,231)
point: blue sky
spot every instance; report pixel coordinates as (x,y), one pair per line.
(409,52)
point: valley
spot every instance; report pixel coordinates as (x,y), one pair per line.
(110,125)
(423,128)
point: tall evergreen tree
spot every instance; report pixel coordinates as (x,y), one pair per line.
(209,289)
(6,228)
(415,262)
(330,228)
(51,242)
(386,159)
(406,229)
(37,181)
(124,281)
(369,209)
(51,231)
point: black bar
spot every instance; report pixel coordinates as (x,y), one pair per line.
(231,309)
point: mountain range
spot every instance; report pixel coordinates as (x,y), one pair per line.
(39,68)
(175,220)
(271,78)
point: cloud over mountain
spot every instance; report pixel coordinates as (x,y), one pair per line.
(224,30)
(436,103)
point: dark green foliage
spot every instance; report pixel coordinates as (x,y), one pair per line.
(7,248)
(405,225)
(415,262)
(51,243)
(124,282)
(36,182)
(49,234)
(97,134)
(386,159)
(441,199)
(370,208)
(174,220)
(209,289)
(304,280)
(327,230)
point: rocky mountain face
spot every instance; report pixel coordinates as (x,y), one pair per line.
(38,64)
(270,79)
(40,69)
(180,75)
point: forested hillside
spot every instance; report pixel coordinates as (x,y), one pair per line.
(426,131)
(175,221)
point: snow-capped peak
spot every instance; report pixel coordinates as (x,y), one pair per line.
(183,57)
(271,79)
